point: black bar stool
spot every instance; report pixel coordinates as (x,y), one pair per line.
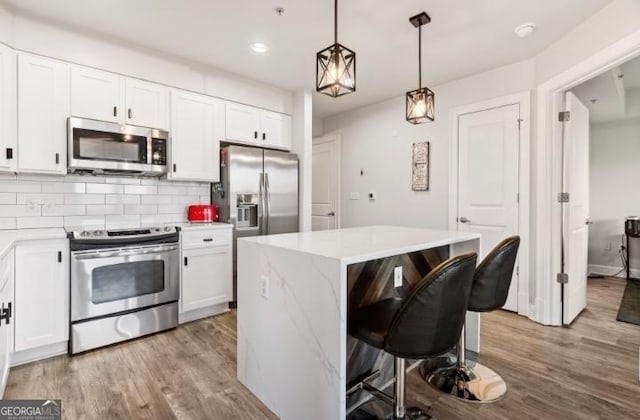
(424,325)
(474,381)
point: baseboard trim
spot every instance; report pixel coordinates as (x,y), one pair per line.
(39,353)
(607,270)
(203,313)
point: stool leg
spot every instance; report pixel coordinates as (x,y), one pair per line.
(467,381)
(398,399)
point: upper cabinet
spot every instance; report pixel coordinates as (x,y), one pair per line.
(107,96)
(8,110)
(97,95)
(43,109)
(246,124)
(197,126)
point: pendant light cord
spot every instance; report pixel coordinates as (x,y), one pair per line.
(335,21)
(420,57)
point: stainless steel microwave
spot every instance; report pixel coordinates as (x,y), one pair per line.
(108,148)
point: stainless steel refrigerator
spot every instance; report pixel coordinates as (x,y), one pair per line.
(257,193)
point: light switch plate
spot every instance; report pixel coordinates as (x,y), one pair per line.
(373,195)
(355,196)
(397,277)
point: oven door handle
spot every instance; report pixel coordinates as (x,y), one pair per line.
(90,255)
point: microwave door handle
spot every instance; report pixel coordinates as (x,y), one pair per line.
(267,194)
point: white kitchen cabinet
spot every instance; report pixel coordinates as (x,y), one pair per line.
(41,293)
(105,96)
(8,98)
(206,276)
(96,94)
(276,130)
(197,126)
(43,109)
(147,104)
(7,307)
(242,123)
(249,125)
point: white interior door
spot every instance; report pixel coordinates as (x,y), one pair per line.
(325,183)
(488,166)
(576,211)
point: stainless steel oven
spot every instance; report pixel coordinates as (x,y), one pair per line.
(109,148)
(124,284)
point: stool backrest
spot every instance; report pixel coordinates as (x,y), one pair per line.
(430,321)
(493,277)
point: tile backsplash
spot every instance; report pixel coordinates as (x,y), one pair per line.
(93,202)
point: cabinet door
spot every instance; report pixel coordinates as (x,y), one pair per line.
(6,330)
(275,130)
(147,104)
(206,277)
(197,125)
(8,84)
(43,109)
(42,294)
(97,95)
(243,123)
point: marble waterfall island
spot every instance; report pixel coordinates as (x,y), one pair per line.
(294,295)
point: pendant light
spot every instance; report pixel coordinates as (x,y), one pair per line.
(420,102)
(336,66)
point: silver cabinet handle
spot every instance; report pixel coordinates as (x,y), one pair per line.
(130,113)
(464,220)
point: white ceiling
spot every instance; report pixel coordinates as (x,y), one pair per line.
(613,95)
(464,38)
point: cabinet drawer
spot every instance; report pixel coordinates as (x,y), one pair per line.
(206,238)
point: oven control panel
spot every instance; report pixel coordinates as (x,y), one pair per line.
(116,234)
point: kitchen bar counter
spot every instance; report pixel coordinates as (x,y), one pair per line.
(294,295)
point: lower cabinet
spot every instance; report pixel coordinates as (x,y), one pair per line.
(41,293)
(206,280)
(6,318)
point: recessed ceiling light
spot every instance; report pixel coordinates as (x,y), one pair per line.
(525,30)
(260,47)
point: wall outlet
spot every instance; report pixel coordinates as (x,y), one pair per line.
(264,287)
(373,195)
(354,196)
(397,277)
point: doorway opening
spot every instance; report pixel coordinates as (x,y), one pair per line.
(601,162)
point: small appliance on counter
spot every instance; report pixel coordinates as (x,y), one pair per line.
(632,225)
(202,213)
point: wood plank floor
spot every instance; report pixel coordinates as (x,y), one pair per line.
(586,371)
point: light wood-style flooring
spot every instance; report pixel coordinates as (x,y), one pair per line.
(586,371)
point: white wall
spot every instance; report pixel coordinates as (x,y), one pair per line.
(6,25)
(615,170)
(612,23)
(91,50)
(301,145)
(377,140)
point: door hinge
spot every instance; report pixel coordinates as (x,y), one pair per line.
(519,122)
(562,278)
(517,270)
(564,116)
(563,197)
(518,198)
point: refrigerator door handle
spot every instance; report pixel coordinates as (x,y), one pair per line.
(267,194)
(261,215)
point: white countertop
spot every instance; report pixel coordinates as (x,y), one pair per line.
(363,243)
(203,226)
(8,238)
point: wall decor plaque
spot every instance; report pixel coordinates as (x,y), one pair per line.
(420,166)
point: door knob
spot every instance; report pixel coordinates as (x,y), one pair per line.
(588,222)
(331,213)
(464,220)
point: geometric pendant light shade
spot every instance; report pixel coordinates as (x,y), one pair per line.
(336,66)
(420,102)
